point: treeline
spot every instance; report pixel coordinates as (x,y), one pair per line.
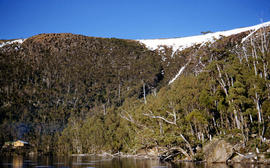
(229,98)
(73,94)
(53,78)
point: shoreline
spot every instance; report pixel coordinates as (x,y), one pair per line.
(151,157)
(120,155)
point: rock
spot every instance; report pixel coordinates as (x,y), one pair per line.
(153,151)
(248,158)
(218,151)
(237,159)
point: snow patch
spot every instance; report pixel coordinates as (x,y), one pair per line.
(185,42)
(20,41)
(179,73)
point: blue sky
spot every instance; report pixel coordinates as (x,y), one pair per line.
(128,19)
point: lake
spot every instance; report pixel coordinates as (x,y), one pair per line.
(98,162)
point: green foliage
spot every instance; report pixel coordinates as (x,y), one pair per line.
(75,94)
(234,138)
(52,77)
(199,156)
(267,155)
(217,103)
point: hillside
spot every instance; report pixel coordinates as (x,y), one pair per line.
(179,44)
(50,77)
(67,93)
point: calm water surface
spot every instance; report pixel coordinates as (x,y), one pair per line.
(98,162)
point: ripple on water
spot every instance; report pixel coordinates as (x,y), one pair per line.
(89,163)
(28,161)
(59,163)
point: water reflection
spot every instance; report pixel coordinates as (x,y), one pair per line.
(98,162)
(17,161)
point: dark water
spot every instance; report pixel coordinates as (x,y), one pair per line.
(98,162)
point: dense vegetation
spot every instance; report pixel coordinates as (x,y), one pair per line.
(53,78)
(75,94)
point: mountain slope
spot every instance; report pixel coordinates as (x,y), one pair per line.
(180,44)
(50,77)
(67,93)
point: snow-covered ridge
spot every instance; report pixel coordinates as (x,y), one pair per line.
(20,41)
(185,42)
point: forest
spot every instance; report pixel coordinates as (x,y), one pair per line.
(72,94)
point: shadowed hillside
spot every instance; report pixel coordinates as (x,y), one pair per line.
(51,77)
(72,94)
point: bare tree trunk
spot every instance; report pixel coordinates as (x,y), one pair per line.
(188,144)
(161,128)
(104,109)
(144,93)
(223,85)
(119,93)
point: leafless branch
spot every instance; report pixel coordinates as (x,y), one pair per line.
(151,115)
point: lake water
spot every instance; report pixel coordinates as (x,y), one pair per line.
(98,162)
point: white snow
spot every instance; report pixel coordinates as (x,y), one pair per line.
(20,41)
(185,42)
(179,73)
